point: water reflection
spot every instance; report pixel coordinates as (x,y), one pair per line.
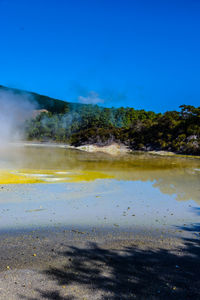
(172,175)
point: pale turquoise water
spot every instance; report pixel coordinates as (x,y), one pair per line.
(147,192)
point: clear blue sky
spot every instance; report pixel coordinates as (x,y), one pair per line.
(144,54)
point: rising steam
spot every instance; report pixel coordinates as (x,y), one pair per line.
(14,110)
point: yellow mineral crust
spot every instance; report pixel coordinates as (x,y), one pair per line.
(49,176)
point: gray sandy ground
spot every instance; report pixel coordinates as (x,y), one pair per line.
(73,265)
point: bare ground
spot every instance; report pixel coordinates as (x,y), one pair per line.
(143,267)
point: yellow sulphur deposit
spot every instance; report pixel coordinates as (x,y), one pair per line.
(49,176)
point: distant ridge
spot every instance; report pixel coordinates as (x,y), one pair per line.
(44,102)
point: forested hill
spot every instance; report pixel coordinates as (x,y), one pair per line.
(42,102)
(79,124)
(55,106)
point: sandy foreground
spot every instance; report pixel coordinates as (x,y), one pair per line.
(158,257)
(74,264)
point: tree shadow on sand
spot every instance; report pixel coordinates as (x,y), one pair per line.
(55,295)
(130,273)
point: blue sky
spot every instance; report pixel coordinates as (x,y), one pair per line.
(144,54)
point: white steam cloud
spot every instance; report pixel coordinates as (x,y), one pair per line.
(91,98)
(14,110)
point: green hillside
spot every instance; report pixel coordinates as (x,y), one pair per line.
(42,102)
(79,124)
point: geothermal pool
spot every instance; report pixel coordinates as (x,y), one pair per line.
(54,187)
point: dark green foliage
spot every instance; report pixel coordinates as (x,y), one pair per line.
(140,130)
(41,102)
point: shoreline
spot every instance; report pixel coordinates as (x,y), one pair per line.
(112,149)
(105,240)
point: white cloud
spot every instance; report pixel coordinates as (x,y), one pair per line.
(91,98)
